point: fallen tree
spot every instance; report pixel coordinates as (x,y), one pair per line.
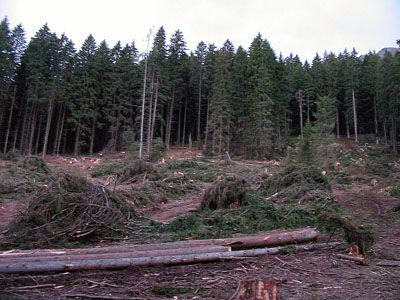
(271,238)
(120,263)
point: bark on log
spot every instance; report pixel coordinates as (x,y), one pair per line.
(120,263)
(131,254)
(271,238)
(257,290)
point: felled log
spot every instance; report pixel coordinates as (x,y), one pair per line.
(265,289)
(130,254)
(271,238)
(120,263)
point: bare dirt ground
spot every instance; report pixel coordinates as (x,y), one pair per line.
(167,212)
(313,275)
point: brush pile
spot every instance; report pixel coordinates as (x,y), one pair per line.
(69,210)
(228,192)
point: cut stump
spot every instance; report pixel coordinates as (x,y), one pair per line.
(264,289)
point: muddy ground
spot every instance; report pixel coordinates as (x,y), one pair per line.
(312,275)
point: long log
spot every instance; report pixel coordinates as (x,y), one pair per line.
(120,263)
(150,253)
(271,238)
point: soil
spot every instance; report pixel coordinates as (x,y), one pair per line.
(312,275)
(167,212)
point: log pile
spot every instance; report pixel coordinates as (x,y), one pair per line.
(183,252)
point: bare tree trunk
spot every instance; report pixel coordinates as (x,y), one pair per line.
(337,123)
(58,142)
(150,118)
(23,139)
(77,137)
(9,120)
(376,123)
(355,116)
(347,125)
(300,100)
(207,117)
(92,134)
(153,121)
(59,117)
(48,123)
(199,111)
(178,136)
(32,129)
(14,145)
(184,123)
(169,122)
(39,127)
(143,102)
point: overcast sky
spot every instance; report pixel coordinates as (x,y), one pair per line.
(302,27)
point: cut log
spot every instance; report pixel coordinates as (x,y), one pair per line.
(388,263)
(120,263)
(257,290)
(131,254)
(271,238)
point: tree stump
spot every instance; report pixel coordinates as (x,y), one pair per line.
(261,289)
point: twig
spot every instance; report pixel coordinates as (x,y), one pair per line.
(100,297)
(360,260)
(32,287)
(236,291)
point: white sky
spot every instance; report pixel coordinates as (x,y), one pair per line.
(303,27)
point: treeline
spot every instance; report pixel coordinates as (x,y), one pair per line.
(55,99)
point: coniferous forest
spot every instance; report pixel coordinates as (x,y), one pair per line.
(57,99)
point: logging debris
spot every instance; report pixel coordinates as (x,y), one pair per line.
(69,210)
(228,192)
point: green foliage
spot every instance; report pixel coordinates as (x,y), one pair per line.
(170,291)
(128,142)
(306,148)
(395,192)
(109,168)
(254,215)
(157,149)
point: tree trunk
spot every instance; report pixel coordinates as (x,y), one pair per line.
(207,117)
(385,133)
(347,125)
(376,123)
(355,116)
(38,134)
(199,111)
(153,121)
(337,123)
(92,134)
(14,145)
(178,136)
(77,137)
(9,120)
(143,105)
(58,142)
(300,100)
(59,117)
(169,122)
(184,124)
(150,118)
(32,122)
(48,123)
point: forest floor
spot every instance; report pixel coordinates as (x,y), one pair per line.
(365,186)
